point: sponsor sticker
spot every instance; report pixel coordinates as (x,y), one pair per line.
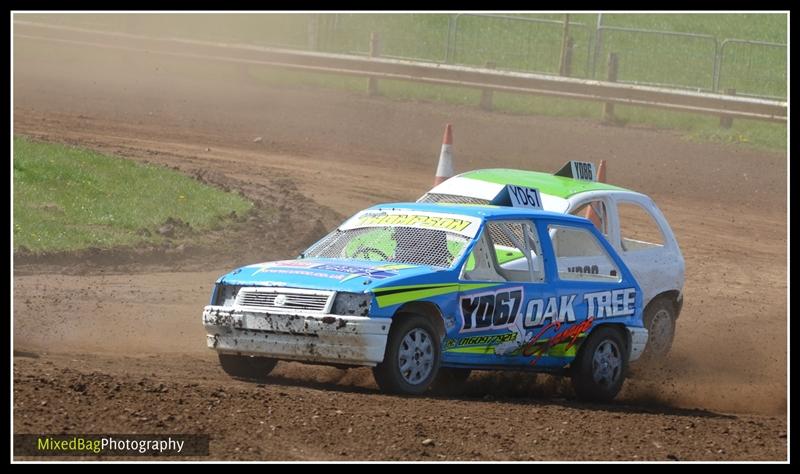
(463,225)
(528,322)
(311,268)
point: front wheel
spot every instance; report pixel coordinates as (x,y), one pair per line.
(599,369)
(411,360)
(247,367)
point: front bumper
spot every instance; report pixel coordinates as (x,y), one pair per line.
(638,339)
(311,337)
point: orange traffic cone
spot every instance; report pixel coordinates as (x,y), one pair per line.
(601,172)
(601,178)
(445,168)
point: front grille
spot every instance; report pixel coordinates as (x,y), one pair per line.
(285,299)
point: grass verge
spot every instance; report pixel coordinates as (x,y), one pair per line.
(68,198)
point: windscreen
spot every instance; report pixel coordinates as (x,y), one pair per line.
(417,238)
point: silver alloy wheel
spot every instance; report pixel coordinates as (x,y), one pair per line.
(659,332)
(607,363)
(415,356)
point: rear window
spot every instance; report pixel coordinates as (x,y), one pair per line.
(638,229)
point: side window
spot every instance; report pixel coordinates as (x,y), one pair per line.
(596,212)
(637,227)
(480,265)
(506,251)
(579,256)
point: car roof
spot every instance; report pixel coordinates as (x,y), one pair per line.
(546,183)
(479,211)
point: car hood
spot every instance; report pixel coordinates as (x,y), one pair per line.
(326,274)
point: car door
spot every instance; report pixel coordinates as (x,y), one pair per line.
(586,299)
(505,270)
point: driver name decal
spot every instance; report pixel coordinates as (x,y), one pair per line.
(433,222)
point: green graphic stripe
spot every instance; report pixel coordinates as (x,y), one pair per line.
(559,350)
(402,289)
(472,350)
(403,294)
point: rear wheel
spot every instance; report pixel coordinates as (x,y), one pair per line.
(599,369)
(247,367)
(450,381)
(659,319)
(411,360)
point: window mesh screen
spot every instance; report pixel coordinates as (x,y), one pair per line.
(392,244)
(500,238)
(449,198)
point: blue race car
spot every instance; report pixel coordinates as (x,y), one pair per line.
(424,293)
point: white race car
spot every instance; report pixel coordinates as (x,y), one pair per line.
(630,221)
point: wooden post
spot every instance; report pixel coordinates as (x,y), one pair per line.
(374,51)
(562,64)
(726,121)
(613,68)
(486,94)
(598,45)
(567,71)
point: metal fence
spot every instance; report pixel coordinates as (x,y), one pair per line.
(518,43)
(416,71)
(515,43)
(685,60)
(742,65)
(406,36)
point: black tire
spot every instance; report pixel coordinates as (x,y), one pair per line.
(591,378)
(661,313)
(450,381)
(423,365)
(247,367)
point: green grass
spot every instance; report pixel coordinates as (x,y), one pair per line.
(69,198)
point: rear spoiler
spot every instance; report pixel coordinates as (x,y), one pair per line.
(583,170)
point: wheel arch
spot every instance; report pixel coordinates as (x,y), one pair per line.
(621,329)
(429,310)
(674,297)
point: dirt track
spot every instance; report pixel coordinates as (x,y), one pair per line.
(722,394)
